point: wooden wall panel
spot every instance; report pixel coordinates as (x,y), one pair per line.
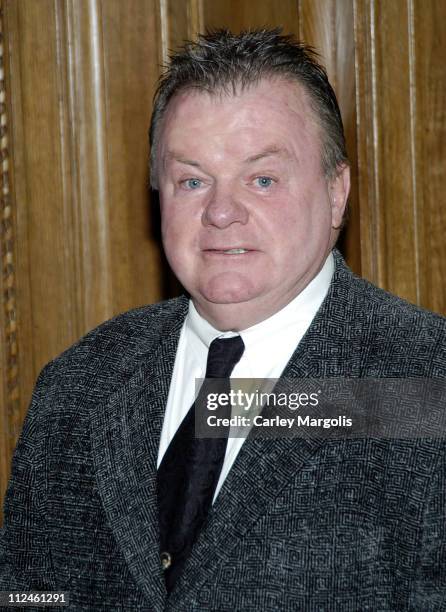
(180,20)
(240,15)
(9,370)
(84,113)
(428,48)
(398,257)
(130,43)
(112,79)
(39,289)
(328,25)
(401,127)
(367,160)
(44,219)
(80,157)
(392,246)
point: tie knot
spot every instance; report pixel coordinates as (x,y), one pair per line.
(224,354)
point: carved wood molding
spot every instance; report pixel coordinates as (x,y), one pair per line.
(7,242)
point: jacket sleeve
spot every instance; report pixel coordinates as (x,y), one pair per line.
(25,562)
(429,587)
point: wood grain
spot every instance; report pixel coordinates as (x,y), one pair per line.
(240,15)
(82,157)
(328,25)
(9,378)
(397,258)
(428,47)
(401,151)
(130,42)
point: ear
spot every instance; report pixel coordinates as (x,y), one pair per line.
(339,188)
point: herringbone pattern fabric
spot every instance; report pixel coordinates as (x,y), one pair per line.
(335,526)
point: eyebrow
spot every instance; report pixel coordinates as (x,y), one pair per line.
(270,151)
(172,155)
(267,153)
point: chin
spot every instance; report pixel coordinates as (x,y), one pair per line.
(227,297)
(228,291)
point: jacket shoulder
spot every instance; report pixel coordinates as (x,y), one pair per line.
(110,353)
(409,339)
(391,309)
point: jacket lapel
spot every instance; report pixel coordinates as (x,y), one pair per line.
(125,439)
(265,466)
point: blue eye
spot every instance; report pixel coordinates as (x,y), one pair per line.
(192,183)
(264,181)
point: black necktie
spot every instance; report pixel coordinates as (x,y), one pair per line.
(190,469)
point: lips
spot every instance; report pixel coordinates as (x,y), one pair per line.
(233,251)
(228,249)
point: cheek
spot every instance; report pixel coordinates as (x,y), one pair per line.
(311,214)
(178,237)
(180,218)
(169,229)
(174,226)
(300,229)
(172,238)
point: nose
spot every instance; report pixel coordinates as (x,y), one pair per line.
(223,209)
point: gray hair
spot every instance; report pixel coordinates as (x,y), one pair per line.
(223,62)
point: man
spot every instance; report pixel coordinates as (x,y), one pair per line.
(249,159)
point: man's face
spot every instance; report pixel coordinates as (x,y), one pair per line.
(247,213)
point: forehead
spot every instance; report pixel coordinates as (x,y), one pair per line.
(274,109)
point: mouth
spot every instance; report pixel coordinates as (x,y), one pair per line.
(235,251)
(232,251)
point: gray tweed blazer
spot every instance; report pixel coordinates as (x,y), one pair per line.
(299,524)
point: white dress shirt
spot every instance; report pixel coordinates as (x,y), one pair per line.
(268,348)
